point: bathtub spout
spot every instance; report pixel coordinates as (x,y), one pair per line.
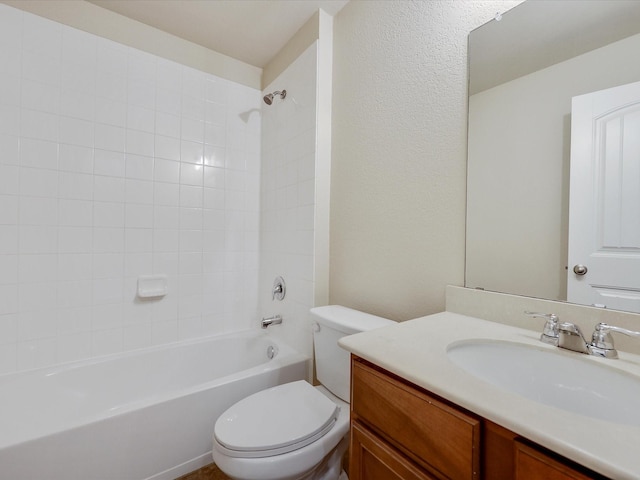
(275,320)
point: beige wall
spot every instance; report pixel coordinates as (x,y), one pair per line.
(399,152)
(104,23)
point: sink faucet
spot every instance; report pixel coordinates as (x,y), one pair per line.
(550,332)
(568,335)
(571,338)
(602,341)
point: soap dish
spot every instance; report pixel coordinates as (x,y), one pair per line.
(152,286)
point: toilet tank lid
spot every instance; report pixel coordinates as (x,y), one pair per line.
(348,320)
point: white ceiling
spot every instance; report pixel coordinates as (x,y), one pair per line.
(252,31)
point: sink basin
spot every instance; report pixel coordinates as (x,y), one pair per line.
(568,381)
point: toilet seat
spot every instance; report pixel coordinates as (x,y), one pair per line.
(275,421)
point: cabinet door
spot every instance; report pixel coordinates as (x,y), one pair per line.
(373,459)
(434,435)
(531,464)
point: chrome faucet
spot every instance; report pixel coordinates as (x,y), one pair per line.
(275,320)
(571,338)
(602,341)
(568,335)
(279,289)
(550,332)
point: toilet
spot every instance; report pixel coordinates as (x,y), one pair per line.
(296,431)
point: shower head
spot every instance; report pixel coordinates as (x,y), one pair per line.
(268,98)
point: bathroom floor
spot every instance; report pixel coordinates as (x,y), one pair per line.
(208,472)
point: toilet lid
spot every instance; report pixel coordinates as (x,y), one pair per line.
(275,421)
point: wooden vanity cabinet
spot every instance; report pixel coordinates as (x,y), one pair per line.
(399,424)
(402,432)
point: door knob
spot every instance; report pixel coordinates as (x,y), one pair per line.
(580,269)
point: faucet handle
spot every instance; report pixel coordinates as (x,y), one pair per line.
(602,341)
(550,332)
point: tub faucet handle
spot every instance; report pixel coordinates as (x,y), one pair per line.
(279,289)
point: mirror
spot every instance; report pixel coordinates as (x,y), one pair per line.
(523,72)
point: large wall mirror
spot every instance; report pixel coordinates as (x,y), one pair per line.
(528,69)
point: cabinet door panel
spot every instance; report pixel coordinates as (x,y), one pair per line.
(432,433)
(372,459)
(531,464)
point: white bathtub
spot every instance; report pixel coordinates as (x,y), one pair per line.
(147,414)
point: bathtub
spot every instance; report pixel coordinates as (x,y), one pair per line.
(147,414)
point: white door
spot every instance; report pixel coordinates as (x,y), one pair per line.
(604,212)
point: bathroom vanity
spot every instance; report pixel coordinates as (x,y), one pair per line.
(415,414)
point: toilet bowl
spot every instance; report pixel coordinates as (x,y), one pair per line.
(296,431)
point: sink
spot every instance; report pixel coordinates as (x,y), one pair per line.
(569,381)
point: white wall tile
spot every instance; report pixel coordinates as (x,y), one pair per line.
(139,143)
(75,239)
(167,124)
(110,112)
(33,181)
(109,163)
(77,186)
(169,101)
(108,265)
(9,239)
(140,93)
(105,342)
(75,266)
(38,211)
(108,214)
(9,150)
(138,191)
(9,209)
(38,239)
(8,269)
(111,57)
(112,86)
(39,125)
(73,158)
(138,216)
(108,156)
(138,240)
(33,95)
(108,240)
(78,78)
(191,174)
(167,148)
(76,131)
(166,216)
(139,167)
(140,118)
(10,120)
(74,295)
(8,299)
(111,189)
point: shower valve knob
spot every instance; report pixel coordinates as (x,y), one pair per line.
(279,289)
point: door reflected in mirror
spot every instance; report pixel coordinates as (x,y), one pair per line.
(524,72)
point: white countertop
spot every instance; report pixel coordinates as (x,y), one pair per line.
(416,350)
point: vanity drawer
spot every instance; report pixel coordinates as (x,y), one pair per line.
(432,433)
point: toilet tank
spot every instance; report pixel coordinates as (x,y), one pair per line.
(333,363)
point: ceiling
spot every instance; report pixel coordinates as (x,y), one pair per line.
(252,31)
(535,35)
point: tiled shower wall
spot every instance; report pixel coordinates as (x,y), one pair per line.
(113,164)
(288,200)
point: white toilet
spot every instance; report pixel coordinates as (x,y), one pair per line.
(296,431)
